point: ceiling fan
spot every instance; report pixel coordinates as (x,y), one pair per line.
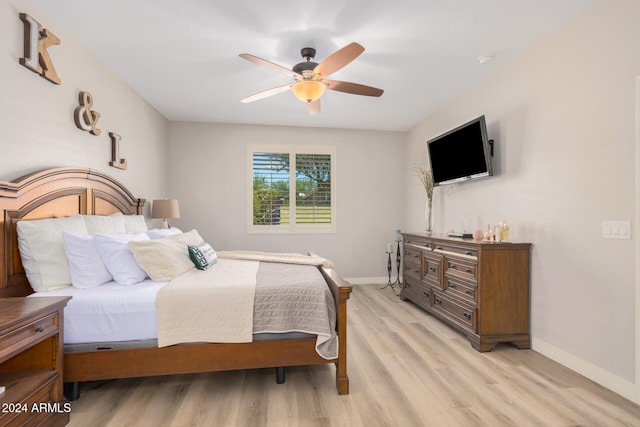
(309,77)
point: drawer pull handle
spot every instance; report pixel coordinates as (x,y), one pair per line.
(468,253)
(39,329)
(438,301)
(468,292)
(426,294)
(453,267)
(469,271)
(466,316)
(452,286)
(432,269)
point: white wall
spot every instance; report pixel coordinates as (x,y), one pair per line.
(209,177)
(37,128)
(562,116)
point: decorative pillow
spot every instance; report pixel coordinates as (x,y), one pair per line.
(104,223)
(42,250)
(118,259)
(85,264)
(202,255)
(134,224)
(159,233)
(167,258)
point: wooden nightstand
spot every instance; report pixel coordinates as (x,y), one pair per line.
(31,362)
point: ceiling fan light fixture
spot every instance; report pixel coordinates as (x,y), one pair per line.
(308,90)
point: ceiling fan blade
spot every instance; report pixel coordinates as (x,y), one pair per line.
(271,66)
(313,107)
(353,88)
(266,93)
(337,60)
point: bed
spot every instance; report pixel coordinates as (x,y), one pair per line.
(65,192)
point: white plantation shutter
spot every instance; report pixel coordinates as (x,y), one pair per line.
(271,176)
(292,189)
(313,189)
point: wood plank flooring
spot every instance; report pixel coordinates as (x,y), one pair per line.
(406,368)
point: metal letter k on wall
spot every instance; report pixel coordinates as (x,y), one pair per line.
(36,42)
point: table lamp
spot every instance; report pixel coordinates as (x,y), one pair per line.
(165,209)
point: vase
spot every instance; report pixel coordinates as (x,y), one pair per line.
(428,215)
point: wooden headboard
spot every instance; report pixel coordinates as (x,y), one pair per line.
(53,193)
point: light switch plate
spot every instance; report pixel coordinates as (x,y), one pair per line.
(616,229)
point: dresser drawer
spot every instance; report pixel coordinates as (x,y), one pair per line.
(418,292)
(467,291)
(432,268)
(27,335)
(466,251)
(463,268)
(412,253)
(411,271)
(462,314)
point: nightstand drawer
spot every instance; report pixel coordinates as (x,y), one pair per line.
(27,335)
(23,413)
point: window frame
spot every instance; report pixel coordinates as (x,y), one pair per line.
(292,227)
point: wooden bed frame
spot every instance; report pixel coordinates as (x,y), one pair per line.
(68,191)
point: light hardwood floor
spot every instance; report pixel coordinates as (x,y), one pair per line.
(405,367)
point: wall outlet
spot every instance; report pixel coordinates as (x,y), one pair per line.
(616,229)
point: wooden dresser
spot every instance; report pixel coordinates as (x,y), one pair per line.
(31,362)
(480,288)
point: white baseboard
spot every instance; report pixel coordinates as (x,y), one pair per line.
(624,388)
(367,280)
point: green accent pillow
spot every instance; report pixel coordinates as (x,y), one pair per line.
(202,255)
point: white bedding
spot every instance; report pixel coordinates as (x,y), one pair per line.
(122,313)
(289,298)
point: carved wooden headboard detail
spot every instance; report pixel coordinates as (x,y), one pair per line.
(53,193)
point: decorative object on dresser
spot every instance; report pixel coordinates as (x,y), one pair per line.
(427,181)
(479,288)
(31,361)
(165,209)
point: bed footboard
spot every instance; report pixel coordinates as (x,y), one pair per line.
(341,290)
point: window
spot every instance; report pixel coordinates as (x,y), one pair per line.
(291,188)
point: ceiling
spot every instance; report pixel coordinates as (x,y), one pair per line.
(182,56)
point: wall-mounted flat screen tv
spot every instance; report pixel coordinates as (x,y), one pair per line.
(462,154)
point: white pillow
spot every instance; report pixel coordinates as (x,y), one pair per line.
(104,223)
(85,264)
(159,233)
(42,250)
(118,259)
(167,258)
(134,224)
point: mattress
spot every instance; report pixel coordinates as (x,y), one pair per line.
(109,312)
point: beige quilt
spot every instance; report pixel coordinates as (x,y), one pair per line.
(215,305)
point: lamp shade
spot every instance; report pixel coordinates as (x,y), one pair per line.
(165,209)
(308,90)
